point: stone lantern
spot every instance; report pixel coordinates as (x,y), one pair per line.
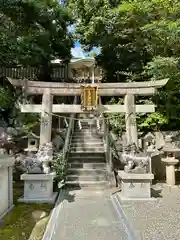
(33,143)
(170,160)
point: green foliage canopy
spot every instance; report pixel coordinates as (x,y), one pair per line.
(33,32)
(139,40)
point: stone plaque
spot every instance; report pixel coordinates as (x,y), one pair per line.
(43,185)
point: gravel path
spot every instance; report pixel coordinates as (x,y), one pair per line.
(156,220)
(88,215)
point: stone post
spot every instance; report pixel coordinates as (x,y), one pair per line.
(170,175)
(170,160)
(130,118)
(6,187)
(46,117)
(170,170)
(10,186)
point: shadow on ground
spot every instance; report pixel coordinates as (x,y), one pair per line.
(68,196)
(156,193)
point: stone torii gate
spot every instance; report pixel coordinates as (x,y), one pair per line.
(128,90)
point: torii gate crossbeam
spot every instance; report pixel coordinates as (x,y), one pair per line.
(48,89)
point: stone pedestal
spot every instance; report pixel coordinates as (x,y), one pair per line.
(135,186)
(38,188)
(170,170)
(6,185)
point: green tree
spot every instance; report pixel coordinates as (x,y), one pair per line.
(139,40)
(33,32)
(114,29)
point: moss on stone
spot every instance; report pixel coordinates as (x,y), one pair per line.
(26,221)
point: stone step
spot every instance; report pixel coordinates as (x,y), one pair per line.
(84,165)
(86,122)
(86,131)
(86,125)
(86,172)
(86,128)
(82,159)
(87,149)
(91,185)
(90,134)
(86,178)
(85,136)
(84,155)
(87,144)
(86,140)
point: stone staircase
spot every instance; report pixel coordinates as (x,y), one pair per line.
(87,167)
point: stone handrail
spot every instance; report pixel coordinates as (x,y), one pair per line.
(69,132)
(109,143)
(108,148)
(113,145)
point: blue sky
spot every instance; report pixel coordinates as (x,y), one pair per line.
(77,51)
(77,44)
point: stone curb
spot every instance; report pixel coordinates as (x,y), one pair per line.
(6,212)
(54,215)
(132,234)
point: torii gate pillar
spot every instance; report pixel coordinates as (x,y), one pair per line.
(46,117)
(130,118)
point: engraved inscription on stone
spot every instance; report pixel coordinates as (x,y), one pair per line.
(133,119)
(131,185)
(142,185)
(31,186)
(45,122)
(43,185)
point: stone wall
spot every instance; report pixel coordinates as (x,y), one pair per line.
(158,136)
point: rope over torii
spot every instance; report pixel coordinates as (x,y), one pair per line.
(128,90)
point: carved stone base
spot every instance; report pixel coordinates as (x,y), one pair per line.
(38,188)
(135,186)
